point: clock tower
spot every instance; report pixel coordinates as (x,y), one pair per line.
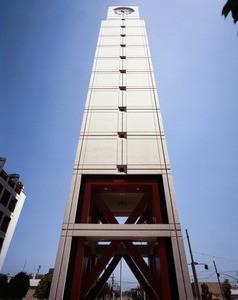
(121,203)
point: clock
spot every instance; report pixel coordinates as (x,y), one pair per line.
(123,10)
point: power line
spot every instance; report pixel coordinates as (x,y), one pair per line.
(213,256)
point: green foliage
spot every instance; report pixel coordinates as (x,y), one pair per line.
(226,289)
(3,287)
(206,294)
(231,6)
(136,293)
(18,286)
(105,291)
(43,289)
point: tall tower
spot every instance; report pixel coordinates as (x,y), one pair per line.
(121,202)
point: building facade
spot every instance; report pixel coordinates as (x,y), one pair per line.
(121,203)
(12,199)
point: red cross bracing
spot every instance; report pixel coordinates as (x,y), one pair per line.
(120,202)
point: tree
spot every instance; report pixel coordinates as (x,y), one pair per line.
(19,286)
(137,293)
(226,289)
(3,287)
(105,290)
(43,289)
(231,6)
(206,294)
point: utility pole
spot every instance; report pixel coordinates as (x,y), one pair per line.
(218,279)
(38,269)
(112,286)
(193,269)
(121,279)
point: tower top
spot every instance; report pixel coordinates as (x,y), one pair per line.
(117,12)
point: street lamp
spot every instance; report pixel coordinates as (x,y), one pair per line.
(205,265)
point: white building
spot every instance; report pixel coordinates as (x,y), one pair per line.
(121,170)
(12,199)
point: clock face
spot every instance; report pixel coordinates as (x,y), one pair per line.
(123,10)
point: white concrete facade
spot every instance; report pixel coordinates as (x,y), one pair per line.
(122,134)
(12,199)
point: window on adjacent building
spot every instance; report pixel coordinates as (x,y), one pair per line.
(1,242)
(1,214)
(12,204)
(5,223)
(11,183)
(4,175)
(5,198)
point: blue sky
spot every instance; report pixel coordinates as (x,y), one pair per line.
(47,50)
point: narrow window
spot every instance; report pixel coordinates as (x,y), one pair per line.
(5,224)
(12,204)
(122,108)
(5,197)
(122,71)
(122,56)
(123,45)
(122,88)
(123,35)
(122,135)
(122,168)
(123,26)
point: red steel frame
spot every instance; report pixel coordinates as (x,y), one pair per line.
(91,273)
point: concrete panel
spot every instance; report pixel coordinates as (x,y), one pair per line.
(109,40)
(141,98)
(72,198)
(61,267)
(111,23)
(173,203)
(104,98)
(135,40)
(138,64)
(160,121)
(108,51)
(184,285)
(107,64)
(137,232)
(143,151)
(142,122)
(100,151)
(136,51)
(136,23)
(110,30)
(106,80)
(141,80)
(102,122)
(134,30)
